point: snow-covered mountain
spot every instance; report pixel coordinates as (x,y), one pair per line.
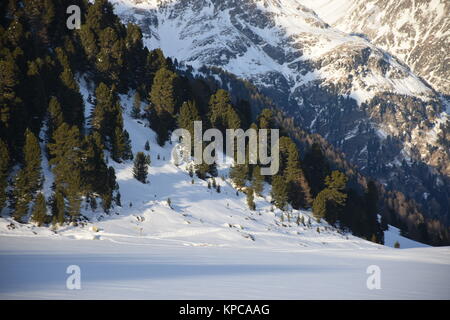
(417,32)
(341,85)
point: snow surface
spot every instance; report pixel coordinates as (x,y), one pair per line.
(205,245)
(392,235)
(159,269)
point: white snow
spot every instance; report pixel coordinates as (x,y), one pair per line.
(392,235)
(159,269)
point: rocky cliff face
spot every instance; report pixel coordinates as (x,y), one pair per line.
(384,117)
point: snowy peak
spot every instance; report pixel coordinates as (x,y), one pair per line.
(295,58)
(417,32)
(278,47)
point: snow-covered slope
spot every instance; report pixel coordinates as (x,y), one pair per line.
(393,236)
(363,100)
(197,216)
(204,245)
(161,269)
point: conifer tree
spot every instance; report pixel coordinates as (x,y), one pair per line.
(140,169)
(265,119)
(58,207)
(251,199)
(29,179)
(104,99)
(316,169)
(39,213)
(66,159)
(163,93)
(188,114)
(371,199)
(55,117)
(118,146)
(233,119)
(221,112)
(107,119)
(121,146)
(127,152)
(136,110)
(164,100)
(112,185)
(95,171)
(298,189)
(69,93)
(147,146)
(203,169)
(279,192)
(239,173)
(4,166)
(110,60)
(330,201)
(257,180)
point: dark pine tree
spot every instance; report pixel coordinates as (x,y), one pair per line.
(4,167)
(251,199)
(257,180)
(239,174)
(39,213)
(136,110)
(316,168)
(66,159)
(331,200)
(140,168)
(279,192)
(29,178)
